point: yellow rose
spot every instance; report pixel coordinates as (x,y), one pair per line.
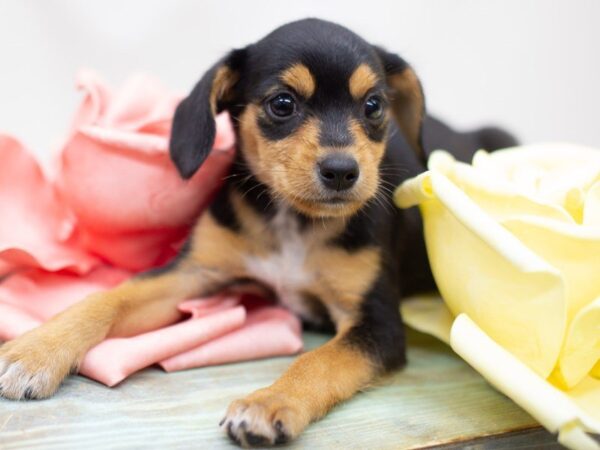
(514,245)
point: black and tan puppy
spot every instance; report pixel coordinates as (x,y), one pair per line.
(327,126)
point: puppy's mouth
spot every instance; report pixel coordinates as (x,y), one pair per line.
(315,200)
(329,205)
(338,200)
(334,198)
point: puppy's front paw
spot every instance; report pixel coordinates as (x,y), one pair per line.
(263,418)
(31,368)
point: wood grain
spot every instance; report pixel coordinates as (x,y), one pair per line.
(436,400)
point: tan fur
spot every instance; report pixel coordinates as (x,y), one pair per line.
(289,165)
(299,78)
(368,154)
(218,249)
(362,80)
(408,105)
(223,81)
(312,385)
(321,378)
(344,279)
(254,228)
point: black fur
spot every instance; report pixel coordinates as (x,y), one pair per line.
(332,53)
(255,193)
(193,132)
(222,209)
(380,333)
(334,130)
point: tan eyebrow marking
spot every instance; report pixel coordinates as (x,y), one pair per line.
(362,80)
(299,78)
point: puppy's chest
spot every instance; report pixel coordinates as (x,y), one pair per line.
(288,268)
(285,267)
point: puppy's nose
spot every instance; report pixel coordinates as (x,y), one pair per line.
(338,172)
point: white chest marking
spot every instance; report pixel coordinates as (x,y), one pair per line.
(284,271)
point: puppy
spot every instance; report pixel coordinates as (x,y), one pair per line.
(327,126)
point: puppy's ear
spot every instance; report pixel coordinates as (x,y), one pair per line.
(193,130)
(407,99)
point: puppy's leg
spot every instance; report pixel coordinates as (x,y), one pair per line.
(34,364)
(318,380)
(311,386)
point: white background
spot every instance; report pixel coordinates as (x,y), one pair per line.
(532,66)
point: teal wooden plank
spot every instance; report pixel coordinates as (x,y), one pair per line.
(437,399)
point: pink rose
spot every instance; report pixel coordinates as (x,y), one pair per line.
(131,206)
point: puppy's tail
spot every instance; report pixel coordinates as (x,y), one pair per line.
(493,138)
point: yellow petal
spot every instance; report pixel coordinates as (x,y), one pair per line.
(428,314)
(483,270)
(596,371)
(591,209)
(573,250)
(498,196)
(414,191)
(581,350)
(514,245)
(558,174)
(569,416)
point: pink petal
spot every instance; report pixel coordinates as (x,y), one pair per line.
(116,176)
(5,268)
(141,104)
(225,137)
(141,101)
(95,100)
(135,251)
(113,189)
(119,194)
(36,229)
(43,295)
(14,322)
(127,140)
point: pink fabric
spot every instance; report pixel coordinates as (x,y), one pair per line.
(115,359)
(269,331)
(219,330)
(115,205)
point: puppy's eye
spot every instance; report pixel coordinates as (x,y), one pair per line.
(282,105)
(373,108)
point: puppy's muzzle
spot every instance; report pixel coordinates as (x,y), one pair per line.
(338,172)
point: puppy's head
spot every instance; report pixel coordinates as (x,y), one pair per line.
(311,103)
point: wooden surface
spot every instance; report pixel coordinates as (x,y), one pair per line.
(531,439)
(437,400)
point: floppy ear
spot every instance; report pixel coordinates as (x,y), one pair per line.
(193,130)
(407,99)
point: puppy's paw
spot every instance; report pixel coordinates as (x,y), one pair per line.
(30,368)
(263,418)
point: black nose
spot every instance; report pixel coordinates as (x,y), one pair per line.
(338,172)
